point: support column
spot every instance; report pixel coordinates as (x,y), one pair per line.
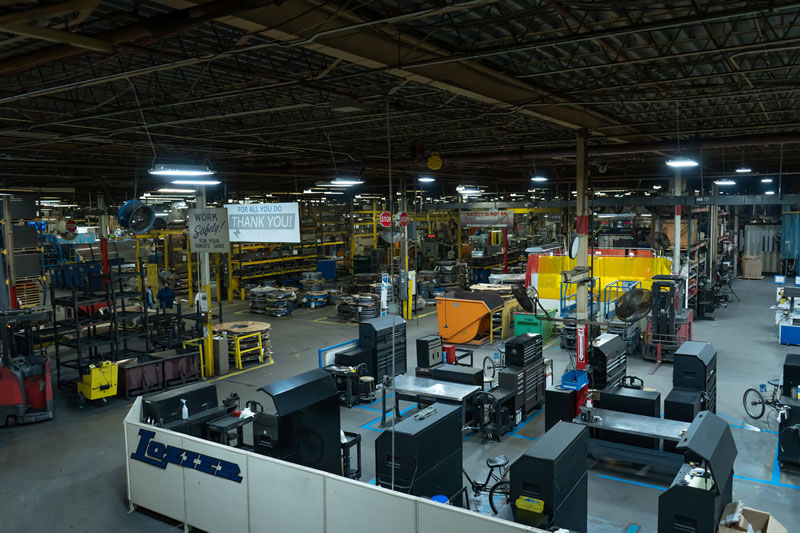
(103,227)
(458,236)
(8,241)
(676,241)
(582,260)
(205,288)
(713,237)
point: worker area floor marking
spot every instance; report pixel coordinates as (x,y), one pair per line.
(631,482)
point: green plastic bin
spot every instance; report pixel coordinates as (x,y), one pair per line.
(528,323)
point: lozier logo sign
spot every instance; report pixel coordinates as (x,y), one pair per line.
(160,455)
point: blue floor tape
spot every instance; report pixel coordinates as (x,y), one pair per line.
(765,482)
(633,528)
(638,483)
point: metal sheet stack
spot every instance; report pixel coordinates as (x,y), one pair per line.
(362,282)
(313,282)
(359,307)
(452,275)
(524,373)
(281,302)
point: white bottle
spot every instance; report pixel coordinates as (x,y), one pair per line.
(184,410)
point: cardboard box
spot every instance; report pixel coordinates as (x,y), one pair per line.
(752,265)
(668,229)
(759,521)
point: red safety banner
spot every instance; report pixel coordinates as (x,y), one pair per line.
(582,224)
(678,210)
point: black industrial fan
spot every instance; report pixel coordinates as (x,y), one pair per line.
(522,297)
(634,305)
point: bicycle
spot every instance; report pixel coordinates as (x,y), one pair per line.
(500,485)
(755,405)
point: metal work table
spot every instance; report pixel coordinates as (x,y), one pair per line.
(645,426)
(421,389)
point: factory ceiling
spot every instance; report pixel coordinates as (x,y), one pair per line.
(277,95)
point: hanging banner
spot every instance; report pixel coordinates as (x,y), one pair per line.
(208,230)
(279,222)
(487,219)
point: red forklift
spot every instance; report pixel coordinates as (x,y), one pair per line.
(26,390)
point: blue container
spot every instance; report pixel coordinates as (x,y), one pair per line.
(574,380)
(328,268)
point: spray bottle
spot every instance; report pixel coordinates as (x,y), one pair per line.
(184,410)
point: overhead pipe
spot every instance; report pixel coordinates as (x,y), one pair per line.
(527,156)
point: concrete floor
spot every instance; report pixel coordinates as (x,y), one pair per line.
(68,474)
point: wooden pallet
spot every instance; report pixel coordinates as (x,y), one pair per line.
(29,293)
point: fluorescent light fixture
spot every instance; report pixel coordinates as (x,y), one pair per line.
(346,105)
(196,182)
(766,180)
(346,182)
(770,192)
(656,187)
(724,182)
(538,178)
(427,179)
(743,170)
(682,162)
(467,190)
(183,191)
(162,214)
(333,192)
(181,170)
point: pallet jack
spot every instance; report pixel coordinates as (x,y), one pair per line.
(26,389)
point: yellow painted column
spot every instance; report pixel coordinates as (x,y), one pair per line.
(230,277)
(189,268)
(219,278)
(374,224)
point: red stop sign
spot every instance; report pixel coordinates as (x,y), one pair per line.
(402,219)
(72,226)
(386,219)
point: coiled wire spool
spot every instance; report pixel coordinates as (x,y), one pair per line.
(279,306)
(315,299)
(308,276)
(334,296)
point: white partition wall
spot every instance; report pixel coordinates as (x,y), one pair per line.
(222,489)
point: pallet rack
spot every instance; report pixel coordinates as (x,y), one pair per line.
(98,324)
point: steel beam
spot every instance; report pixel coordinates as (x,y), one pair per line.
(631,201)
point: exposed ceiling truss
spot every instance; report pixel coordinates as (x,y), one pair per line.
(96,89)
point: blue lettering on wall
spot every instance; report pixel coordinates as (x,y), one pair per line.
(160,455)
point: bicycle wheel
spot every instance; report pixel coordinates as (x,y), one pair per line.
(753,404)
(501,490)
(489,369)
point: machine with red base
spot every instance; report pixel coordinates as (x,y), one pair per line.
(26,391)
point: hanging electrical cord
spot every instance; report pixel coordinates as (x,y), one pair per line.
(144,122)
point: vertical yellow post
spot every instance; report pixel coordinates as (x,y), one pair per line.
(374,224)
(166,251)
(230,276)
(189,268)
(219,278)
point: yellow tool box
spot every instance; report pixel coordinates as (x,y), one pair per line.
(99,383)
